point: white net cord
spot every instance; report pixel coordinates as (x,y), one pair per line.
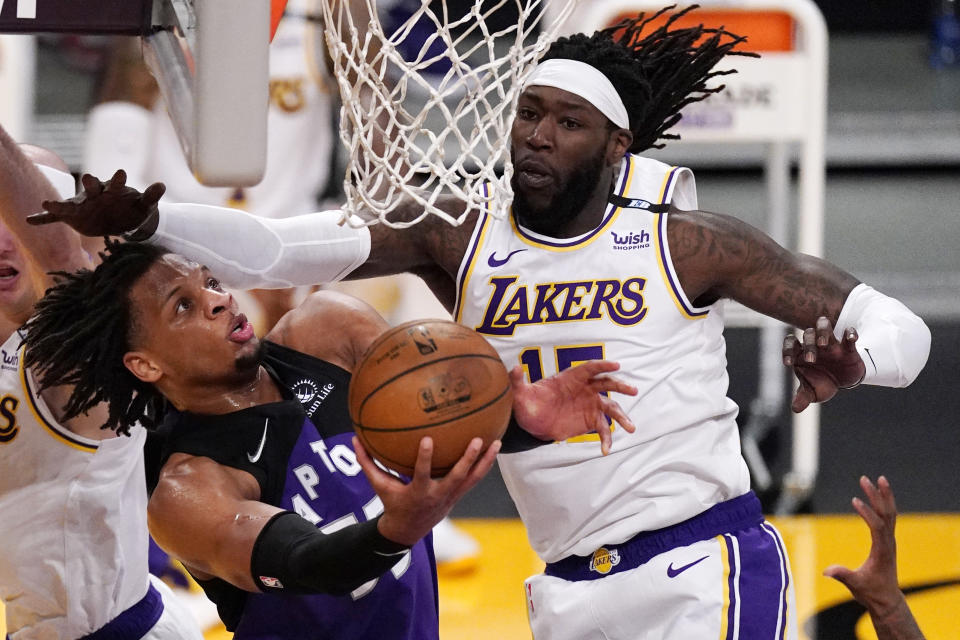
(415,133)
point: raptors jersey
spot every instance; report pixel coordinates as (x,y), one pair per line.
(612,293)
(73,525)
(300,130)
(301,454)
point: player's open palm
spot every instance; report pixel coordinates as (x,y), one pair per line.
(411,509)
(103,208)
(874,584)
(822,364)
(571,403)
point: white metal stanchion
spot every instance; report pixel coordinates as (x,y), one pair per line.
(17,73)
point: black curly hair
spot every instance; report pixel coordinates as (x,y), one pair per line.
(656,74)
(80,331)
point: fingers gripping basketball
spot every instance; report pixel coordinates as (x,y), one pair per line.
(429,378)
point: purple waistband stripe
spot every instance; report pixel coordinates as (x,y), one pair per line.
(727,517)
(135,622)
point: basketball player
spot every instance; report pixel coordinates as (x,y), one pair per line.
(130,128)
(874,584)
(261,495)
(73,521)
(604,255)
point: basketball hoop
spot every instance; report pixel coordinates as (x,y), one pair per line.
(413,132)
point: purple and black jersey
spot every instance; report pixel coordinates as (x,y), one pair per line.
(300,452)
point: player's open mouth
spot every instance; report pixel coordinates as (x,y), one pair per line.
(533,175)
(242,330)
(8,276)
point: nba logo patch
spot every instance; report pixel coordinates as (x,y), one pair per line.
(604,560)
(271,582)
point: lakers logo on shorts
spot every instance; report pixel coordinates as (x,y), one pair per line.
(604,560)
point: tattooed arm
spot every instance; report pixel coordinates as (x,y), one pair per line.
(852,334)
(717,256)
(431,249)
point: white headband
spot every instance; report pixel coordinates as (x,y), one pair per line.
(583,80)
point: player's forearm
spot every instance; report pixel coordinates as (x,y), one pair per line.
(893,342)
(247,251)
(896,624)
(292,556)
(23,186)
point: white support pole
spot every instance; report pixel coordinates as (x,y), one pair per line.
(800,480)
(215,83)
(17,75)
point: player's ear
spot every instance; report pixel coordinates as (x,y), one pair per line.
(620,140)
(142,366)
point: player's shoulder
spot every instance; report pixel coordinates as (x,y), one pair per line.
(330,325)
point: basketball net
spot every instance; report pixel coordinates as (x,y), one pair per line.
(427,108)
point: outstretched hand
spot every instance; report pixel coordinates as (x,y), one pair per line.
(822,364)
(571,403)
(103,208)
(874,584)
(411,510)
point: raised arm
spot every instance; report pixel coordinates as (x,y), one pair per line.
(718,256)
(874,584)
(210,518)
(248,251)
(23,187)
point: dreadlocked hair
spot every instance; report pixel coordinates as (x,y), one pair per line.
(656,74)
(80,331)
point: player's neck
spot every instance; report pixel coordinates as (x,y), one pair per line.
(231,396)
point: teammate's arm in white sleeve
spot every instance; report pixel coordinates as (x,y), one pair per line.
(247,251)
(892,341)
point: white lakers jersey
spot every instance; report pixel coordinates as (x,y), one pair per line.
(300,130)
(73,526)
(612,293)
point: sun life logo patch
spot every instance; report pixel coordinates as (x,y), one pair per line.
(604,560)
(305,389)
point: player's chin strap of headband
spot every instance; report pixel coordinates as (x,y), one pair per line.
(637,203)
(584,80)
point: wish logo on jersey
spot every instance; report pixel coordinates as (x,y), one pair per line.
(630,241)
(512,304)
(11,361)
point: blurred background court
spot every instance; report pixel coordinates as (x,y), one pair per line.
(892,219)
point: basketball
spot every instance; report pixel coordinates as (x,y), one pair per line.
(428,378)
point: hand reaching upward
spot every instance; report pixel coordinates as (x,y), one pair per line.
(105,208)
